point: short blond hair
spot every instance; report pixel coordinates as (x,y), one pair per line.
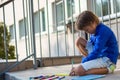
(86,18)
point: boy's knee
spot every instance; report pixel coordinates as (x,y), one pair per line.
(80,41)
(81,71)
(77,42)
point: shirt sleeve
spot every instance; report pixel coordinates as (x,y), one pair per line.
(100,42)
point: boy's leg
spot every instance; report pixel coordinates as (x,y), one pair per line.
(97,71)
(80,71)
(96,66)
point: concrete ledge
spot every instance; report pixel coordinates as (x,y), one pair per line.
(44,62)
(24,65)
(54,61)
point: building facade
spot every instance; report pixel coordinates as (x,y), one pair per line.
(50,19)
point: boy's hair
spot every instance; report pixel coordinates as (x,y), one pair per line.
(86,18)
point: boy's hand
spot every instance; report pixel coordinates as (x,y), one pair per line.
(77,71)
(72,72)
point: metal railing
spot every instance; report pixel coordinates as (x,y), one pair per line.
(33,53)
(53,42)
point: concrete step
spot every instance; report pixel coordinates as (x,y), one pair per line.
(25,75)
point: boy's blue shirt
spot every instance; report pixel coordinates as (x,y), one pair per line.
(105,44)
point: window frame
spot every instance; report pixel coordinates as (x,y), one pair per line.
(65,15)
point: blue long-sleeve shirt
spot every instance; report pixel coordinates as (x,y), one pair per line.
(105,44)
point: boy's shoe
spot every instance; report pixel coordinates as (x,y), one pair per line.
(111,68)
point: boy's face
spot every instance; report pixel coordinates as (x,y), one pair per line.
(90,29)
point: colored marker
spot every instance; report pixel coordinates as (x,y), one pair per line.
(72,62)
(38,77)
(62,74)
(61,77)
(46,77)
(35,77)
(53,78)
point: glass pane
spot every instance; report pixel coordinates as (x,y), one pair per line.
(36,22)
(12,32)
(59,14)
(98,7)
(70,7)
(22,28)
(43,20)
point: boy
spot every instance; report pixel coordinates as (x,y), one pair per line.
(100,53)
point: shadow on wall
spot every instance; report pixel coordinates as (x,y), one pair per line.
(71,29)
(70,25)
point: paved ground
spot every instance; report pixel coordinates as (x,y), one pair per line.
(24,75)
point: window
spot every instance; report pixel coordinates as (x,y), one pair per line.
(70,8)
(59,12)
(11,29)
(43,20)
(22,29)
(104,5)
(38,24)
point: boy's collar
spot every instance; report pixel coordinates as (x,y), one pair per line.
(97,28)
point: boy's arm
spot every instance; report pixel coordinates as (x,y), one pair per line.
(99,44)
